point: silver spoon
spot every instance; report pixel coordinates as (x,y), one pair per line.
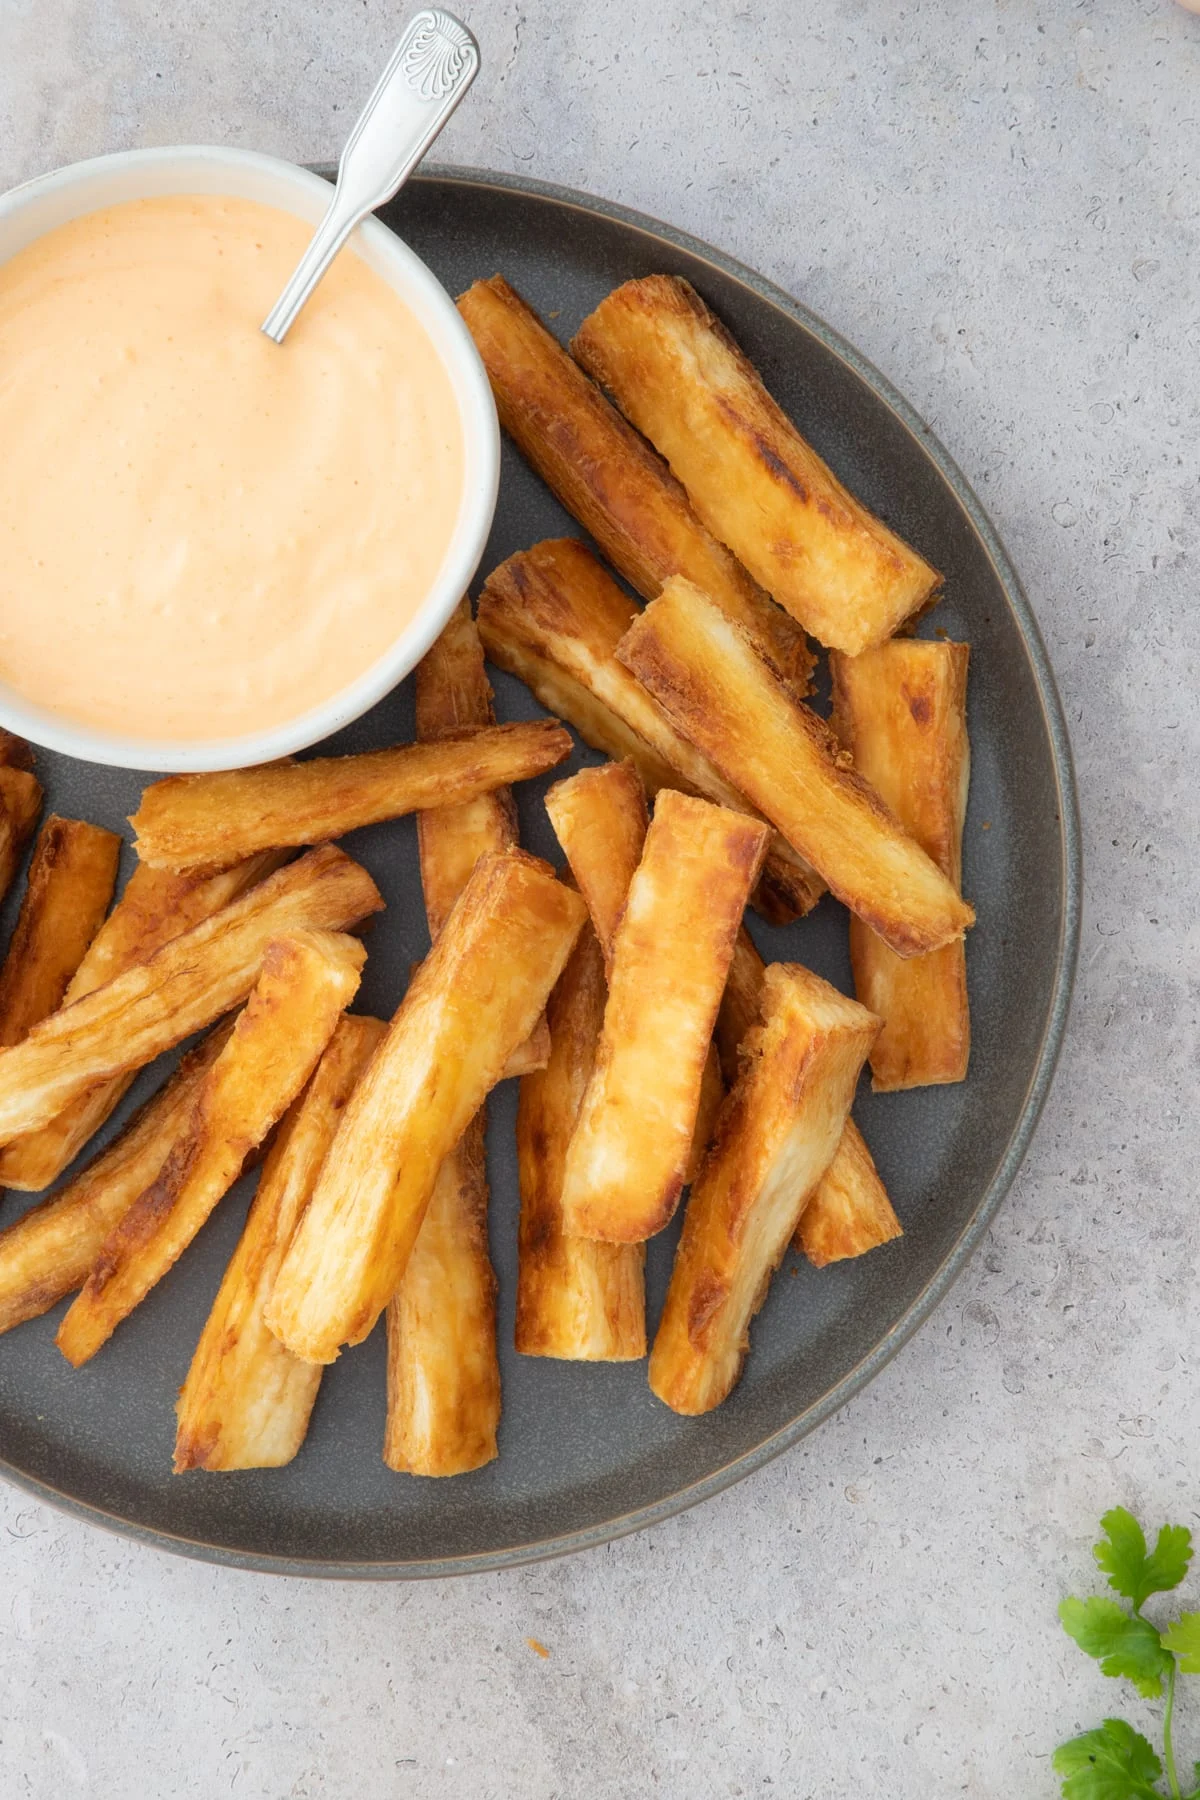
(431,69)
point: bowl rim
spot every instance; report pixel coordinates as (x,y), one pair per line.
(973,1233)
(415,284)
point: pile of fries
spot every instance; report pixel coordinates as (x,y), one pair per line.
(654,1048)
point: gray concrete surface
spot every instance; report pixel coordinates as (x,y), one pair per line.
(1000,203)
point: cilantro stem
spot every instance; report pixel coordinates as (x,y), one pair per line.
(1168,1747)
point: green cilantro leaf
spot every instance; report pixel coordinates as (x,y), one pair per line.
(1114,1762)
(1183,1637)
(1131,1569)
(1121,1645)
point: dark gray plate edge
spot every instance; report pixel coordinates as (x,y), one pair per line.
(1035,1098)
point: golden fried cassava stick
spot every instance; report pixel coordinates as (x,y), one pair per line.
(901,712)
(739,1004)
(215,820)
(49,1251)
(706,676)
(627,1160)
(20,804)
(453,694)
(442,1371)
(576,1299)
(777,1135)
(607,475)
(849,1212)
(678,375)
(246,1401)
(599,817)
(15,751)
(708,1110)
(308,978)
(154,908)
(473,1000)
(71,877)
(553,616)
(579,1299)
(186,984)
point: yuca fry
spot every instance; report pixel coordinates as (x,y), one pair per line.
(740,1003)
(901,711)
(475,997)
(49,1251)
(443,1381)
(246,1401)
(20,804)
(153,908)
(599,817)
(554,616)
(708,1109)
(577,1299)
(758,486)
(215,820)
(186,984)
(71,877)
(607,475)
(849,1212)
(709,681)
(15,751)
(627,1160)
(777,1135)
(443,1376)
(308,978)
(453,694)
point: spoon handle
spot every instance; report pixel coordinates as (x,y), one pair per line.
(431,69)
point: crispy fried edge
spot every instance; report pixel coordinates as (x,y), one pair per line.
(849,1212)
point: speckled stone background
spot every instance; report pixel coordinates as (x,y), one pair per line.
(1000,203)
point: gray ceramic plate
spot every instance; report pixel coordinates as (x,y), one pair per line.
(586,1452)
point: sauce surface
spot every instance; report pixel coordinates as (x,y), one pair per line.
(203,533)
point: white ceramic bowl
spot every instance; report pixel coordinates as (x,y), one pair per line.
(40,206)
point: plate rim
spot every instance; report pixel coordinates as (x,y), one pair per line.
(1041,1079)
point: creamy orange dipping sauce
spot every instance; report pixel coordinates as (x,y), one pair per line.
(203,533)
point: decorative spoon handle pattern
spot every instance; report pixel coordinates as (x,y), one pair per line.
(430,70)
